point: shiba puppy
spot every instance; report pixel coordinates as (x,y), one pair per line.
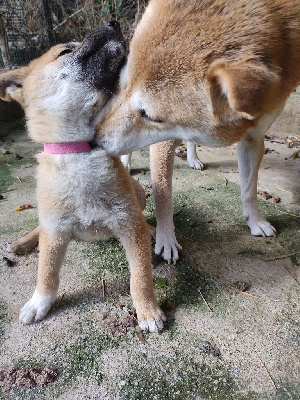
(81,191)
(213,72)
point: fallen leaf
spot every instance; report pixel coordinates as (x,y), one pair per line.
(195,223)
(267,196)
(159,283)
(295,155)
(169,305)
(242,286)
(139,334)
(23,207)
(192,262)
(294,260)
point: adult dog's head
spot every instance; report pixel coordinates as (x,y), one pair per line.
(206,71)
(64,90)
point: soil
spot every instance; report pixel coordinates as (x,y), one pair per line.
(232,301)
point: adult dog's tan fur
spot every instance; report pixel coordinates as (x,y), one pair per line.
(213,72)
(89,195)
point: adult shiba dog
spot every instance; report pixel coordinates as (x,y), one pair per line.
(81,191)
(213,72)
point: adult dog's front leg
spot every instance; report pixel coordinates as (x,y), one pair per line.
(137,244)
(250,154)
(162,160)
(52,252)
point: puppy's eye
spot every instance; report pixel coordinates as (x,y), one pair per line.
(146,116)
(65,51)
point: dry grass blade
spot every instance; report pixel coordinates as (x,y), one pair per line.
(293,215)
(206,303)
(103,285)
(279,257)
(248,294)
(265,368)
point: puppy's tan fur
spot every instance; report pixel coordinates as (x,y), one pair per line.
(213,72)
(87,195)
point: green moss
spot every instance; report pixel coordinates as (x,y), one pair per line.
(81,359)
(84,357)
(27,224)
(286,391)
(6,166)
(3,317)
(105,258)
(8,162)
(192,287)
(177,379)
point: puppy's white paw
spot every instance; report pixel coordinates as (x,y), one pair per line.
(261,227)
(36,308)
(154,324)
(195,163)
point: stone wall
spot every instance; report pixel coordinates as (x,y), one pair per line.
(289,121)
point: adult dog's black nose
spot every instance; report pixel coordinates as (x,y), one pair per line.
(113,24)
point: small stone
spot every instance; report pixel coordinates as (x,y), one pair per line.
(7,262)
(242,286)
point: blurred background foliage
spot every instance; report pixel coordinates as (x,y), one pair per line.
(29,27)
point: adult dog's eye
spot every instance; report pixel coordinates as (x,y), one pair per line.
(65,51)
(146,116)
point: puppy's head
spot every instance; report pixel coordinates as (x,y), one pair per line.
(63,90)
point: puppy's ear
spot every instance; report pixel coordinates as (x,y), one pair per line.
(11,84)
(246,87)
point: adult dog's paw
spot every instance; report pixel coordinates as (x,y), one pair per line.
(261,227)
(167,246)
(195,163)
(151,321)
(36,308)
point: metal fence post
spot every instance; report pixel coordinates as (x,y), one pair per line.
(4,44)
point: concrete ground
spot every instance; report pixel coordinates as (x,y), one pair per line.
(232,302)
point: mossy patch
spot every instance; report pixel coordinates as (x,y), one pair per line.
(192,287)
(286,391)
(8,162)
(3,317)
(83,357)
(79,359)
(26,225)
(177,378)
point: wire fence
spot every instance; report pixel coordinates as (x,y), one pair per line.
(29,27)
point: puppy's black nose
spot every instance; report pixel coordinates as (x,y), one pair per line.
(113,24)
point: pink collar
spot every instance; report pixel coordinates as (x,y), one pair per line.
(66,148)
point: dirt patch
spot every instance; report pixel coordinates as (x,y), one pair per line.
(26,378)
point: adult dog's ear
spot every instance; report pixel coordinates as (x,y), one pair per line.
(11,85)
(245,86)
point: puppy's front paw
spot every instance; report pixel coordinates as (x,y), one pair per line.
(36,308)
(152,320)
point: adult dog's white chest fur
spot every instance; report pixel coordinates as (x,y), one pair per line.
(84,189)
